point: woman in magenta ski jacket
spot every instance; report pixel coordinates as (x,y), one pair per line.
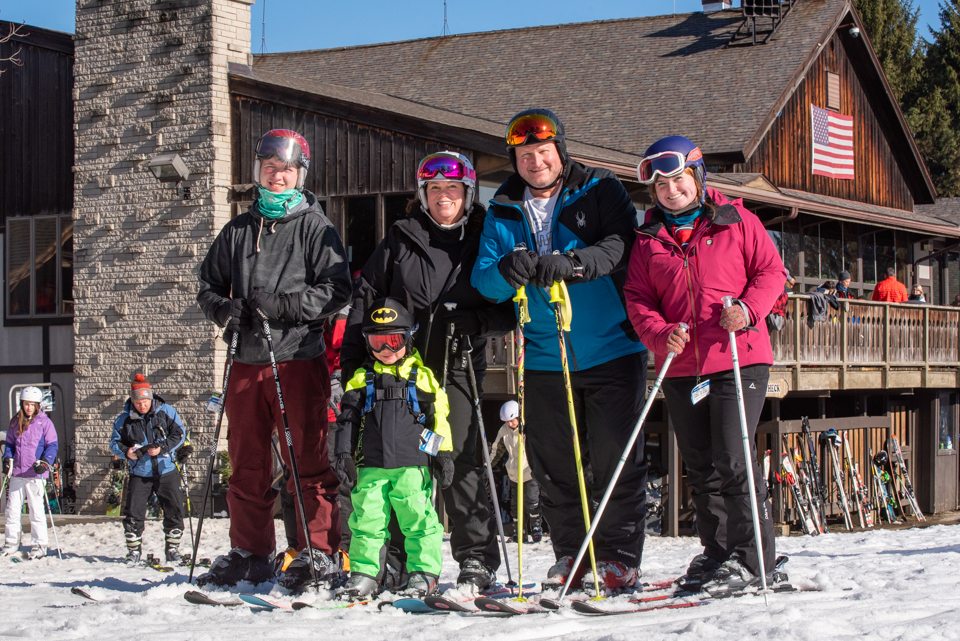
(694,248)
(28,456)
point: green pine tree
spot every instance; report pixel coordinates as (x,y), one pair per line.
(935,116)
(936,137)
(892,28)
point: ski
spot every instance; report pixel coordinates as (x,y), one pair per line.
(594,608)
(831,439)
(513,607)
(553,604)
(905,480)
(412,605)
(83,593)
(807,487)
(789,477)
(884,501)
(449,604)
(816,480)
(328,605)
(259,602)
(199,598)
(863,496)
(117,477)
(585,607)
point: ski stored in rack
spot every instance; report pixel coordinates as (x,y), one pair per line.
(864,509)
(907,486)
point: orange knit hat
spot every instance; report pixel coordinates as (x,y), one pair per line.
(140,388)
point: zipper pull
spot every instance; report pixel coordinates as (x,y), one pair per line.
(686,263)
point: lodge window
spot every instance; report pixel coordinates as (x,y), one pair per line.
(39,267)
(366,221)
(833,91)
(947,423)
(815,252)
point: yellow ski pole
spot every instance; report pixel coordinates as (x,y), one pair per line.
(523,314)
(564,312)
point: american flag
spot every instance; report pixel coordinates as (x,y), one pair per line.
(832,144)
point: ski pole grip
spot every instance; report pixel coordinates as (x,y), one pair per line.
(684,327)
(727,301)
(555,294)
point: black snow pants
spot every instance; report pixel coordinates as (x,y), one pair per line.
(607,399)
(139,488)
(710,441)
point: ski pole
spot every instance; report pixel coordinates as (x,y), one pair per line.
(727,302)
(486,456)
(182,471)
(53,525)
(523,316)
(563,311)
(213,451)
(289,438)
(623,460)
(446,347)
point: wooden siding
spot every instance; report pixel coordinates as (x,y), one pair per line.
(783,156)
(347,159)
(36,125)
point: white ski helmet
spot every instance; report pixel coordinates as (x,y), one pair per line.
(449,166)
(31,394)
(509,411)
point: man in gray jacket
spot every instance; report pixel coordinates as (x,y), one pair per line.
(282,257)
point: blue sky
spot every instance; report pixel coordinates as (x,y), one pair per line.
(311,24)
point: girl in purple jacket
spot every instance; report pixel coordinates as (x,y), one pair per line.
(693,249)
(28,456)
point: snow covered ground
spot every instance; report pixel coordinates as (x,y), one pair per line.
(883,584)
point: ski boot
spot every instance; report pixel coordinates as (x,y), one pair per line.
(475,577)
(559,575)
(134,548)
(421,584)
(393,579)
(733,577)
(536,528)
(9,549)
(700,570)
(359,587)
(37,552)
(613,576)
(238,565)
(298,576)
(283,559)
(171,546)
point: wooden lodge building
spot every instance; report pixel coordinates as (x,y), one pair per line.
(743,87)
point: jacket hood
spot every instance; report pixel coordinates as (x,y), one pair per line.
(723,212)
(418,225)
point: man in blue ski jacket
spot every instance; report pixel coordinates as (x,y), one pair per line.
(557,220)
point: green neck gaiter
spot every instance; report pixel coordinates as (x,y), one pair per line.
(274,206)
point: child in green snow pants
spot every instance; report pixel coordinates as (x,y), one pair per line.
(407,492)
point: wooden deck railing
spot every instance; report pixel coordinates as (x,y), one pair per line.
(864,333)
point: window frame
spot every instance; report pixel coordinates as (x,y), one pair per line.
(33,318)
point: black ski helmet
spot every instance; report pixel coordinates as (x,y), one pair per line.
(559,140)
(387,316)
(880,459)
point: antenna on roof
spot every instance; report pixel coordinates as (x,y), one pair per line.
(446,27)
(263,29)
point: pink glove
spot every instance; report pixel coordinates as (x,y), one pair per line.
(676,341)
(734,318)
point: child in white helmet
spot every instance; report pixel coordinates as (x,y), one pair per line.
(508,443)
(28,456)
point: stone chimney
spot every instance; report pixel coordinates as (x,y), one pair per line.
(151,79)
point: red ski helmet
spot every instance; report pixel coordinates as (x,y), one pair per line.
(286,145)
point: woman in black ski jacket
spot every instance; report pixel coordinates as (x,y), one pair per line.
(427,258)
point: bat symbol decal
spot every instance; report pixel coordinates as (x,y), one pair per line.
(383,315)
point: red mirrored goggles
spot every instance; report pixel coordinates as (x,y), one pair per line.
(288,150)
(393,342)
(445,165)
(539,126)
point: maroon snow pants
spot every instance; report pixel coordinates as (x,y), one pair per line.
(253,412)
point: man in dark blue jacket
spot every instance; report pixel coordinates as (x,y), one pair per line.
(147,436)
(557,220)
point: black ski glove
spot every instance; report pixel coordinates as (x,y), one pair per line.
(40,466)
(184,453)
(282,307)
(466,321)
(518,267)
(346,470)
(553,268)
(234,315)
(7,466)
(443,469)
